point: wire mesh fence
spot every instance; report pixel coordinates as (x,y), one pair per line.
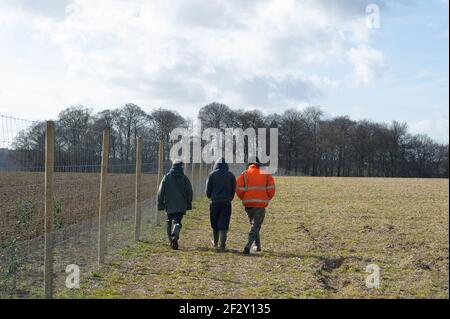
(22,201)
(76,201)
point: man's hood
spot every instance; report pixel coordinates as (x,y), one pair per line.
(220,164)
(177,168)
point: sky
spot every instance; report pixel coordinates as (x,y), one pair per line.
(271,55)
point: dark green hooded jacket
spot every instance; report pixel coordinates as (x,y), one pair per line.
(175,191)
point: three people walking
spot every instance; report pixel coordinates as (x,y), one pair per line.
(255,187)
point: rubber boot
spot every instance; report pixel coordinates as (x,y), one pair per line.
(169,231)
(223,239)
(176,228)
(215,239)
(175,235)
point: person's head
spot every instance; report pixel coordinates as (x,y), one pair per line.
(220,163)
(177,162)
(253,160)
(177,165)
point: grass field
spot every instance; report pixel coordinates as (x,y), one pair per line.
(75,211)
(318,238)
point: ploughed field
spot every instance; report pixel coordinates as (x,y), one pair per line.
(76,198)
(319,236)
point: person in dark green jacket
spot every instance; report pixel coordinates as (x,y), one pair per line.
(175,197)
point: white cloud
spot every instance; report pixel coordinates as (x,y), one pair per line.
(368,63)
(184,53)
(438,129)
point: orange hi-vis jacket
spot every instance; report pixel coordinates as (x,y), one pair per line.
(254,188)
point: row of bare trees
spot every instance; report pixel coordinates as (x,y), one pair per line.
(309,144)
(79,135)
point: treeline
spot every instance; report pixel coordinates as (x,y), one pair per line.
(311,145)
(308,143)
(78,138)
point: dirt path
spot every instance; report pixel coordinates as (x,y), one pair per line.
(318,238)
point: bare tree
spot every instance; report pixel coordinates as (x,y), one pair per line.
(215,115)
(308,144)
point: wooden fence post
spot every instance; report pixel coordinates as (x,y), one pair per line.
(48,213)
(186,169)
(102,199)
(200,179)
(192,178)
(160,176)
(138,197)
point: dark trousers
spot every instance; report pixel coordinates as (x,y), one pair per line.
(174,225)
(256,218)
(220,215)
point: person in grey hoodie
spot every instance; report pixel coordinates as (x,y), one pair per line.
(175,197)
(220,188)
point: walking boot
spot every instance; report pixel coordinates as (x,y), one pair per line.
(257,246)
(251,240)
(215,239)
(169,232)
(223,240)
(174,243)
(248,247)
(175,235)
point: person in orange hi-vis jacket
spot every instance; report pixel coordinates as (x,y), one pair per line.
(255,188)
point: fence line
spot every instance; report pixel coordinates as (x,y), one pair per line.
(69,198)
(75,208)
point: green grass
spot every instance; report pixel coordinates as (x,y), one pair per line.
(318,237)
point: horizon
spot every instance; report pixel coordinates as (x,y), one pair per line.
(266,55)
(94,112)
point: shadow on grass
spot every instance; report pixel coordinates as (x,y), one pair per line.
(328,263)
